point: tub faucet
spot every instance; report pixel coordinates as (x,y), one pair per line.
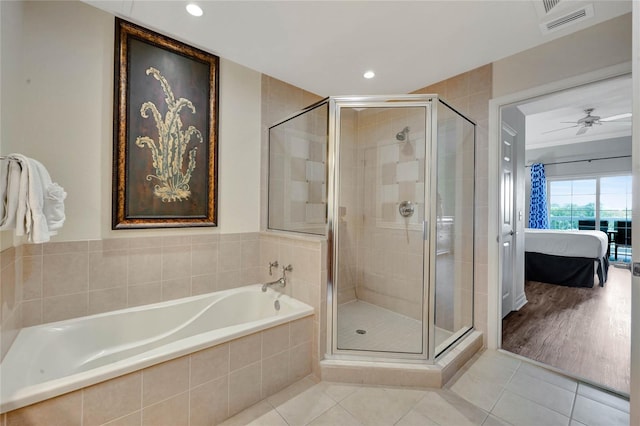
(280,281)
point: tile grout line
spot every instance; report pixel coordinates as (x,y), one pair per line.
(575,395)
(189,392)
(573,404)
(540,403)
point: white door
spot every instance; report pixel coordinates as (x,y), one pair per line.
(514,130)
(506,216)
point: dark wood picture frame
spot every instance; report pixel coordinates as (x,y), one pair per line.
(165,132)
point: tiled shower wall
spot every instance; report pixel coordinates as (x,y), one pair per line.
(279,100)
(380,251)
(350,207)
(470,93)
(390,253)
(297,164)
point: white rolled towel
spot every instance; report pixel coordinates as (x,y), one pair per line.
(47,203)
(40,202)
(54,207)
(10,195)
(4,185)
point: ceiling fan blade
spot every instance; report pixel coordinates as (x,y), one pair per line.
(582,131)
(616,117)
(557,130)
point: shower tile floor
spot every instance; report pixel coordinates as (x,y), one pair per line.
(385,330)
(492,389)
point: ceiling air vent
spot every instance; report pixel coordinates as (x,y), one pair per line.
(567,19)
(549,4)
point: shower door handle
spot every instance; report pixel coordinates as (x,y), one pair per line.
(425,230)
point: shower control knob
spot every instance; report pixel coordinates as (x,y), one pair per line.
(406,208)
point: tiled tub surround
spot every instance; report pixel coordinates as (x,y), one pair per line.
(71,279)
(307,282)
(209,262)
(51,359)
(202,388)
(10,296)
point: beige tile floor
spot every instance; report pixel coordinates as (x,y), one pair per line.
(493,389)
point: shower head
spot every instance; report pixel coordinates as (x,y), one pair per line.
(403,134)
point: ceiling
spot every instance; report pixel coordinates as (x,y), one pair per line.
(325,46)
(550,119)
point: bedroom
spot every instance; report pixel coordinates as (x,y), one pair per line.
(566,289)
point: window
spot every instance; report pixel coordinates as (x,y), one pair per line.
(571,201)
(603,199)
(615,198)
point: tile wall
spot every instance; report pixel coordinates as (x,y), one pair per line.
(203,388)
(350,207)
(10,297)
(297,160)
(72,279)
(307,282)
(279,100)
(381,253)
(389,246)
(470,93)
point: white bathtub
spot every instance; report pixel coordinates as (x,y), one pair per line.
(51,359)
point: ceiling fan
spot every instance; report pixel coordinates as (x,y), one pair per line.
(588,121)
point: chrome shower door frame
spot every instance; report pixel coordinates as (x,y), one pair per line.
(430,103)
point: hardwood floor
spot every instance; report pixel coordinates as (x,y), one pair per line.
(583,331)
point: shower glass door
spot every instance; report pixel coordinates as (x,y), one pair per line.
(455,170)
(380,258)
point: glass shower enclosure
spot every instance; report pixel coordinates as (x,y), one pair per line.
(393,191)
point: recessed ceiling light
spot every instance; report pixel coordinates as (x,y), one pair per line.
(194,9)
(369,74)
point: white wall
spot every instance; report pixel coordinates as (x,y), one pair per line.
(558,159)
(239,154)
(67,89)
(10,100)
(594,48)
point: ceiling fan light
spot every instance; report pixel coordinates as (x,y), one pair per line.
(617,117)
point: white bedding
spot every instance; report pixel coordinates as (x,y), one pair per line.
(568,243)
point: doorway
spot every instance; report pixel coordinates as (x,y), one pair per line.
(546,305)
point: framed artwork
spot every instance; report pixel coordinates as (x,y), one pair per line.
(165,132)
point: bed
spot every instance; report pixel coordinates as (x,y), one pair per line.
(566,257)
